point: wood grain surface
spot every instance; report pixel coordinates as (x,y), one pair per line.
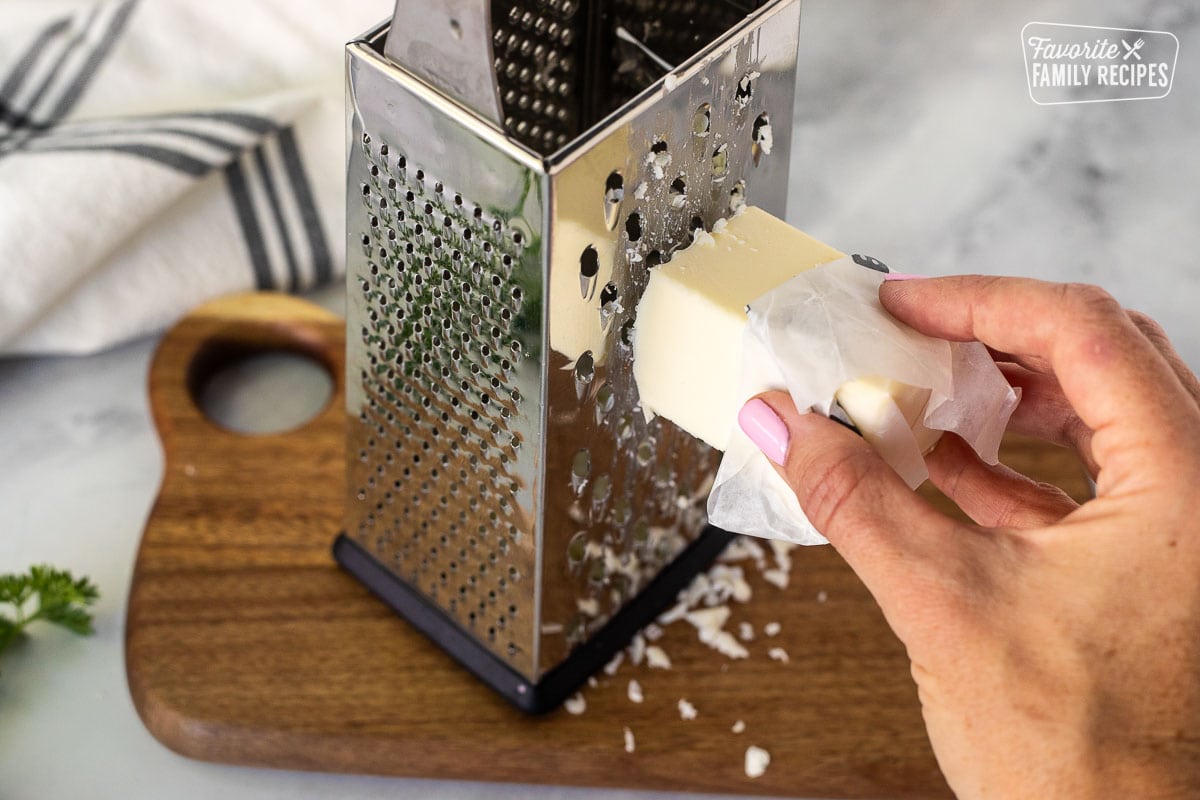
(246,644)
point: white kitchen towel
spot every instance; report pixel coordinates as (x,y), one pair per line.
(157,153)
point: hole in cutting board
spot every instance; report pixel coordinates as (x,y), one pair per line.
(262,392)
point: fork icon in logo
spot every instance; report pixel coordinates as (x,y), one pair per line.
(1133,50)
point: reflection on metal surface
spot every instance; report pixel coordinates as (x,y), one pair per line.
(500,462)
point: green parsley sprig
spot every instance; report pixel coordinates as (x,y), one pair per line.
(46,594)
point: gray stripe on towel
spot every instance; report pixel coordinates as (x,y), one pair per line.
(17,76)
(84,76)
(264,173)
(310,218)
(243,204)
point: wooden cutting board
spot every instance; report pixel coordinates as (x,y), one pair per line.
(245,643)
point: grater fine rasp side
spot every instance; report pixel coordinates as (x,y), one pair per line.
(506,491)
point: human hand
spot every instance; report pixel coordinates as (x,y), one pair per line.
(1055,647)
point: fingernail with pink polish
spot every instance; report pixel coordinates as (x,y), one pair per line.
(902,276)
(765,429)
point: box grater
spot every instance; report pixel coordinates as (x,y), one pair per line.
(516,169)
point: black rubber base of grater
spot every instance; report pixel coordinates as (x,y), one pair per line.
(557,684)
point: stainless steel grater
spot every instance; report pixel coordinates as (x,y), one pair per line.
(507,494)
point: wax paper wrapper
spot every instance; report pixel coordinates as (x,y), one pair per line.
(816,332)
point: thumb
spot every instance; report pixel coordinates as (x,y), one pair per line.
(879,525)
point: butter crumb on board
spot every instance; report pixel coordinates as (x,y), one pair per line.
(656,658)
(776,577)
(706,606)
(757,760)
(575,704)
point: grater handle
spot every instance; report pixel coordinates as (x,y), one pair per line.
(449,45)
(225,330)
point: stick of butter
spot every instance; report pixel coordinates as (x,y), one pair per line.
(690,321)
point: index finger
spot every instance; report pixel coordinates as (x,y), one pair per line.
(1119,384)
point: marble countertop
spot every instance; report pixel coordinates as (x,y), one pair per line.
(916,141)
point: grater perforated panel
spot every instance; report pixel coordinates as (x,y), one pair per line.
(673,30)
(538,49)
(436,477)
(634,489)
